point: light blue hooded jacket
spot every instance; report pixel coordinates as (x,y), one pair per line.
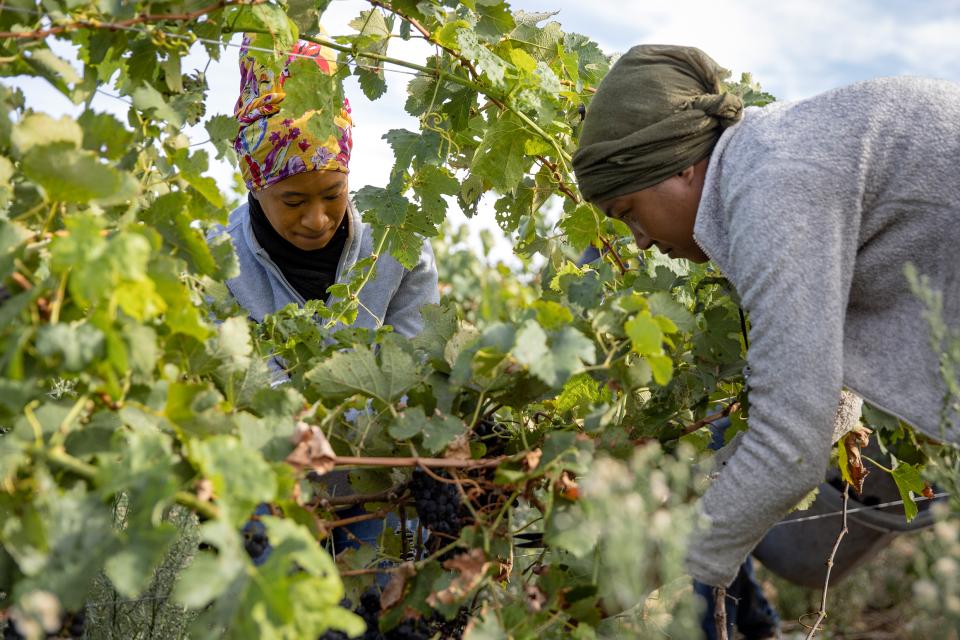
(393,297)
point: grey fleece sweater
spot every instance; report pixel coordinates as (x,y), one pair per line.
(811,209)
(393,297)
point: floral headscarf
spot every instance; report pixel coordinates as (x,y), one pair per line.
(272,148)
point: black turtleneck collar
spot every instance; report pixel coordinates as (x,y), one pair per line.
(309,272)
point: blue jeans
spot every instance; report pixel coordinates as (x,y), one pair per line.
(746,606)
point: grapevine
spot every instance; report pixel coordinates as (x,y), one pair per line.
(517,450)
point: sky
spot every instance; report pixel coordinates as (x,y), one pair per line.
(795,49)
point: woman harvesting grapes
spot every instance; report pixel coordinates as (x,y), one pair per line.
(812,210)
(299,233)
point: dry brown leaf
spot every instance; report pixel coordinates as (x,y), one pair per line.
(506,570)
(569,488)
(536,598)
(459,449)
(472,567)
(531,460)
(312,450)
(393,592)
(853,442)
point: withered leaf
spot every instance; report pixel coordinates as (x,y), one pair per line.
(459,449)
(472,567)
(531,460)
(393,592)
(536,598)
(854,441)
(312,450)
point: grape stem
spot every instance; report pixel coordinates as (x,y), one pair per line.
(699,424)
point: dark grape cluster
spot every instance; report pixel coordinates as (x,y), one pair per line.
(438,503)
(255,540)
(409,629)
(493,435)
(73,627)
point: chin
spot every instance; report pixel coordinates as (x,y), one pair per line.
(309,244)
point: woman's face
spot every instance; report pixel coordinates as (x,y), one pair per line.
(306,208)
(663,215)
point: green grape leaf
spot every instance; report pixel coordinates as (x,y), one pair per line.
(73,346)
(132,568)
(532,351)
(372,83)
(552,315)
(437,431)
(223,131)
(408,424)
(662,368)
(104,134)
(382,206)
(70,175)
(385,375)
(430,184)
(570,350)
(500,158)
(908,479)
(240,477)
(192,168)
(662,303)
(439,325)
(147,99)
(210,575)
(406,246)
(494,67)
(39,129)
(581,227)
(61,542)
(646,335)
(579,392)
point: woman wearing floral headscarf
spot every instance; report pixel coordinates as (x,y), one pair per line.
(298,232)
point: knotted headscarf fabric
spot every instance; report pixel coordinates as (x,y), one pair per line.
(659,110)
(271,148)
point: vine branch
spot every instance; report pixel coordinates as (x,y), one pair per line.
(720,612)
(822,614)
(143,18)
(416,461)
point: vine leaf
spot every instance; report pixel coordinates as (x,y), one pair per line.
(437,431)
(907,477)
(384,376)
(71,175)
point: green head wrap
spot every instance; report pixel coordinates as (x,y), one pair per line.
(659,110)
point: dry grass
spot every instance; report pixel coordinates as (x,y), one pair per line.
(875,602)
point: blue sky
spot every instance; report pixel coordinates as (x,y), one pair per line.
(795,49)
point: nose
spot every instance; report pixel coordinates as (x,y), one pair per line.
(314,219)
(643,242)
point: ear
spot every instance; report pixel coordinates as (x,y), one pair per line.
(689,174)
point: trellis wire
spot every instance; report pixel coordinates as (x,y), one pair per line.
(866,508)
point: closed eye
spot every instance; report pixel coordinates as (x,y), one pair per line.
(293,204)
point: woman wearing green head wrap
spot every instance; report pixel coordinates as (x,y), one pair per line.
(811,209)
